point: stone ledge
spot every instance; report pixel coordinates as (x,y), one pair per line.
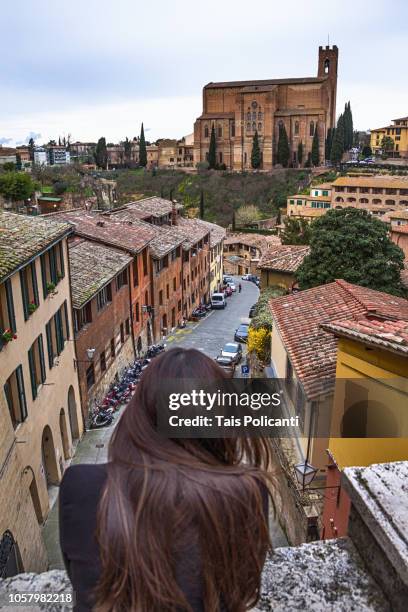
(379,494)
(322,576)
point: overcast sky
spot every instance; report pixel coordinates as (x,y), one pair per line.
(96,68)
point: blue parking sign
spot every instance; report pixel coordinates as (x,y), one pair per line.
(245,369)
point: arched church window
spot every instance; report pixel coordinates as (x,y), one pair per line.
(259,127)
(233,128)
(206,131)
(312,128)
(254,104)
(254,116)
(260,116)
(249,115)
(296,127)
(219,131)
(326,66)
(248,127)
(254,126)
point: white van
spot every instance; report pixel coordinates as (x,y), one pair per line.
(218,300)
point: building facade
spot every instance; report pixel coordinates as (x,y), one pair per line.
(398,132)
(37,368)
(238,109)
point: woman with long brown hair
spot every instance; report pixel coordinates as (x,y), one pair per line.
(167,525)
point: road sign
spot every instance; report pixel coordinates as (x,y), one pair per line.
(245,369)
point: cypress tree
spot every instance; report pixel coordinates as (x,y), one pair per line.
(142,149)
(328,143)
(256,152)
(337,149)
(300,153)
(212,152)
(101,154)
(202,205)
(348,127)
(283,147)
(315,149)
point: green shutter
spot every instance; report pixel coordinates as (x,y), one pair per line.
(35,284)
(66,318)
(31,363)
(42,363)
(61,255)
(21,392)
(44,276)
(53,265)
(24,293)
(50,347)
(59,332)
(10,305)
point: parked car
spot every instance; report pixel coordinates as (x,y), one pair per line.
(246,277)
(227,279)
(252,311)
(227,363)
(231,350)
(218,300)
(241,333)
(233,287)
(228,291)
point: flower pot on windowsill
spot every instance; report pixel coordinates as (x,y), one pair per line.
(8,336)
(32,307)
(51,288)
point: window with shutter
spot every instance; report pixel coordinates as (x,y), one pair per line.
(33,374)
(50,346)
(24,294)
(66,317)
(10,306)
(41,357)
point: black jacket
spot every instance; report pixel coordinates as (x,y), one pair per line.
(79,496)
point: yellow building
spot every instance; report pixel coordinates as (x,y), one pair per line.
(398,131)
(217,236)
(40,414)
(310,206)
(279,264)
(370,400)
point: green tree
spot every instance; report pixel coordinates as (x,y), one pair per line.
(202,207)
(387,145)
(367,151)
(283,146)
(19,165)
(315,149)
(127,149)
(247,214)
(337,149)
(351,244)
(295,231)
(300,153)
(348,127)
(101,154)
(9,166)
(256,152)
(142,149)
(328,143)
(212,152)
(17,186)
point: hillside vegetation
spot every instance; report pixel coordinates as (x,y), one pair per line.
(223,192)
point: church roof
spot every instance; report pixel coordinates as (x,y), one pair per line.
(266,82)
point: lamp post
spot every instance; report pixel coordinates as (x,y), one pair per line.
(90,353)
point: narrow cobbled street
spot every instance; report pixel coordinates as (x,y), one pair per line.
(208,335)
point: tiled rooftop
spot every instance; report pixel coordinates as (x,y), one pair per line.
(154,206)
(311,349)
(386,181)
(194,231)
(92,266)
(302,196)
(132,237)
(259,241)
(263,82)
(22,237)
(283,258)
(217,233)
(399,214)
(391,335)
(401,229)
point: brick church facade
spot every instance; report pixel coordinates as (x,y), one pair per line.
(239,108)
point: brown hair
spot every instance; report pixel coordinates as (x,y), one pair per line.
(167,502)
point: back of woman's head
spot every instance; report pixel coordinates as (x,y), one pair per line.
(167,500)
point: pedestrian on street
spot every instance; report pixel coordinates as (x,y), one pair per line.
(163,524)
(239,287)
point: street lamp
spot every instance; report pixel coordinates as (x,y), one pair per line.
(305,473)
(90,353)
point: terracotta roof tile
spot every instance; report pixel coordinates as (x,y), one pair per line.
(154,206)
(22,237)
(92,266)
(391,335)
(300,319)
(283,258)
(132,237)
(259,241)
(394,182)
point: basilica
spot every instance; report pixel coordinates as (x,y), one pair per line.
(238,109)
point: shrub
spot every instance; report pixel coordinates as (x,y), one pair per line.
(259,342)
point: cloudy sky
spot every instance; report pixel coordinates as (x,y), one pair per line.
(96,68)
